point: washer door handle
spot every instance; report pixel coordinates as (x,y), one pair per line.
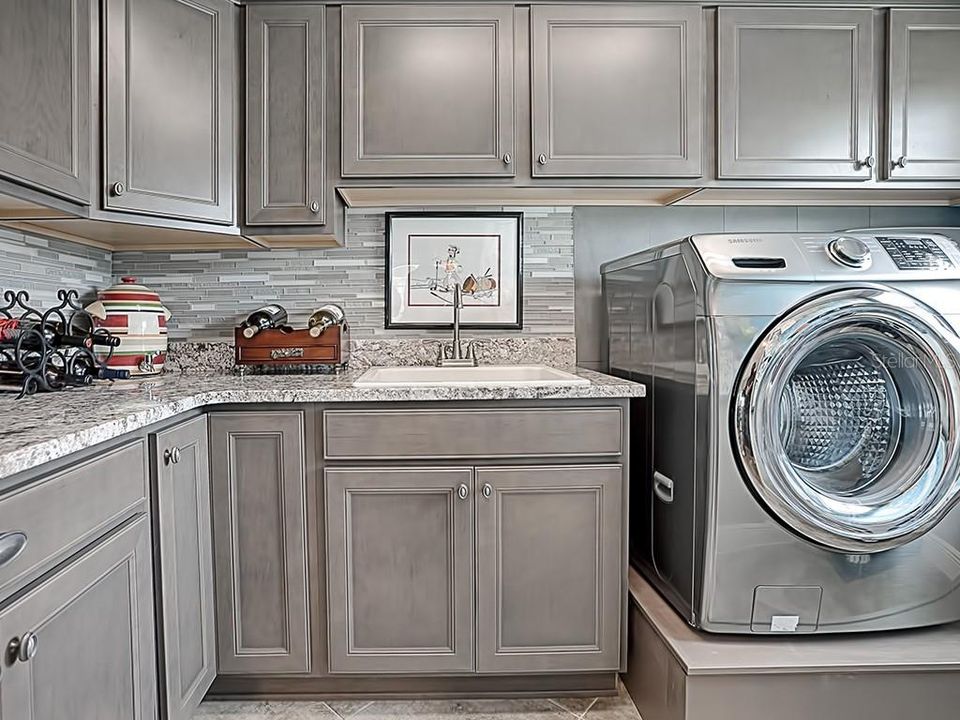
(662,487)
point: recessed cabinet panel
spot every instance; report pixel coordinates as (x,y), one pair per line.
(45,100)
(169,106)
(259,487)
(795,94)
(549,573)
(616,91)
(428,90)
(285,154)
(924,94)
(185,567)
(400,569)
(93,651)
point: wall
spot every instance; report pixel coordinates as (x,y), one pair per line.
(607,233)
(42,266)
(209,293)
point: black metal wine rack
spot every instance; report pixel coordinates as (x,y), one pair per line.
(28,357)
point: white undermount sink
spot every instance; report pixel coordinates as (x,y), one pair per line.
(487,375)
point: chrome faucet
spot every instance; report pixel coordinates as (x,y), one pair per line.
(457,357)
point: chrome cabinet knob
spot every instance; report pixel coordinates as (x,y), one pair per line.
(900,162)
(542,159)
(463,491)
(118,189)
(315,207)
(507,159)
(24,648)
(171,456)
(487,490)
(867,162)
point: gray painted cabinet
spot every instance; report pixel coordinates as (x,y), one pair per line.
(185,567)
(427,90)
(616,90)
(924,95)
(795,93)
(285,104)
(93,655)
(259,489)
(169,84)
(400,569)
(549,572)
(45,101)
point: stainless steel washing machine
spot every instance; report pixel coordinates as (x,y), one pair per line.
(796,463)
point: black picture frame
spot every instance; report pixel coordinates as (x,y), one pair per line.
(390,324)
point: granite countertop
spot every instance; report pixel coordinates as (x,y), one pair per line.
(48,426)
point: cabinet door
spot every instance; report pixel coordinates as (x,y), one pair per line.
(616,91)
(45,101)
(92,652)
(185,567)
(428,90)
(259,486)
(400,569)
(549,571)
(924,94)
(285,115)
(169,77)
(795,93)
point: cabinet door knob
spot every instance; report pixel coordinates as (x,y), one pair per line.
(315,207)
(900,162)
(507,159)
(867,162)
(542,159)
(463,491)
(118,189)
(487,490)
(171,456)
(23,648)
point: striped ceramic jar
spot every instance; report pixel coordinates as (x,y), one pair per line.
(135,315)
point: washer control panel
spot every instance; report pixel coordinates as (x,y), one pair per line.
(915,253)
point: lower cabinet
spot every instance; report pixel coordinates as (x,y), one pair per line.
(80,644)
(400,569)
(185,568)
(259,490)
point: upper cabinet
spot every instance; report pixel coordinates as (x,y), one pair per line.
(45,101)
(795,94)
(285,105)
(169,105)
(924,94)
(616,90)
(428,90)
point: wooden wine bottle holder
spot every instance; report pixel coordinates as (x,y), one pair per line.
(281,347)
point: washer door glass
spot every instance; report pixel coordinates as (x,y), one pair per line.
(846,419)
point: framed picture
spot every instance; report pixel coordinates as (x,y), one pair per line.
(428,254)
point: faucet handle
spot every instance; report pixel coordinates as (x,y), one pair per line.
(441,354)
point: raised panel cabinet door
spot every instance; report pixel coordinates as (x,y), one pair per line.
(259,528)
(45,101)
(400,569)
(285,115)
(81,643)
(795,93)
(427,90)
(924,95)
(187,613)
(549,573)
(169,84)
(616,91)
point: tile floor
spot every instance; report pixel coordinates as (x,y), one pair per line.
(604,708)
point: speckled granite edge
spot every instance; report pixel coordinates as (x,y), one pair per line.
(49,427)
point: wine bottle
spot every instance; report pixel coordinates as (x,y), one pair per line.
(324,317)
(269,316)
(52,335)
(106,373)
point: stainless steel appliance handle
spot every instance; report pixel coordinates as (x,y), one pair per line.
(662,487)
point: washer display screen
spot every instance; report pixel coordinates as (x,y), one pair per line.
(915,253)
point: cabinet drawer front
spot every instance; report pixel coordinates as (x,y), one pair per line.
(490,433)
(61,513)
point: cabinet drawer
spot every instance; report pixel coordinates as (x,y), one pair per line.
(488,433)
(63,512)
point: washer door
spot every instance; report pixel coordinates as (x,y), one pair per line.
(846,419)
